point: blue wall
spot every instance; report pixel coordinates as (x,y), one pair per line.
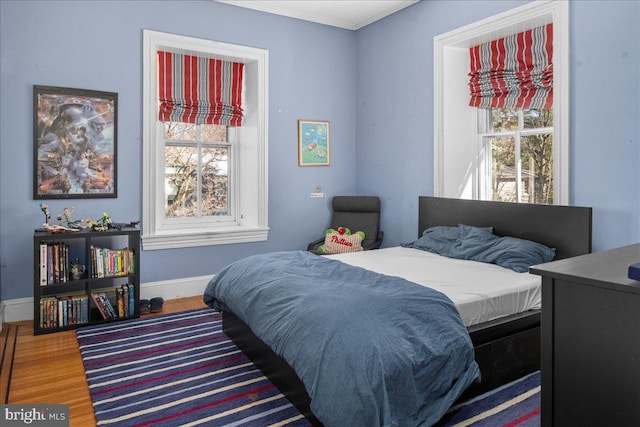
(98,45)
(394,109)
(381,125)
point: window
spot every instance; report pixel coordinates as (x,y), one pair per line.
(204,183)
(517,155)
(198,164)
(487,154)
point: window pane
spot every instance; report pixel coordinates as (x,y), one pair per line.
(213,133)
(504,119)
(215,182)
(503,169)
(176,131)
(534,119)
(536,156)
(181,181)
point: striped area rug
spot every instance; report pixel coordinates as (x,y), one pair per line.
(181,369)
(516,404)
(177,369)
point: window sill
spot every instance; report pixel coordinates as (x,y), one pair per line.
(195,238)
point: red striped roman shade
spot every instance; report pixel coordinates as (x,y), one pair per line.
(193,89)
(513,72)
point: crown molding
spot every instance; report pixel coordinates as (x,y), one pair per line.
(315,11)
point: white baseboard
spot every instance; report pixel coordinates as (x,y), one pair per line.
(16,310)
(19,309)
(177,288)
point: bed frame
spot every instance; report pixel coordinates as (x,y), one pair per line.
(505,349)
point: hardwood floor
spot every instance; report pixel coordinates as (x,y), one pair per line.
(47,369)
(8,339)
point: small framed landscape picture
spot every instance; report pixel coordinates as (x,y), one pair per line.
(75,142)
(313,143)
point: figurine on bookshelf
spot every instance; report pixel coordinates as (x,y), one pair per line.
(47,226)
(105,220)
(121,225)
(95,225)
(47,216)
(106,223)
(102,224)
(77,269)
(64,219)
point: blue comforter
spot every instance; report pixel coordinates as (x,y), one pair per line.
(372,350)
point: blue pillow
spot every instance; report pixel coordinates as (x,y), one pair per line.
(473,242)
(480,244)
(508,252)
(440,240)
(519,254)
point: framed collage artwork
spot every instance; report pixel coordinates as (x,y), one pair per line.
(75,143)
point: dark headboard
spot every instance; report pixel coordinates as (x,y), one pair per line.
(566,228)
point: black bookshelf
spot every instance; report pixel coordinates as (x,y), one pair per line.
(64,301)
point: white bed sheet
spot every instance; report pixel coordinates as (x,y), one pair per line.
(480,291)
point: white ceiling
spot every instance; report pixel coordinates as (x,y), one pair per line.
(349,14)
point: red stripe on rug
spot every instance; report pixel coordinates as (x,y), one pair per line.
(208,405)
(523,418)
(232,359)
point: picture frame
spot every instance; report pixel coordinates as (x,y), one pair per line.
(74,143)
(314,146)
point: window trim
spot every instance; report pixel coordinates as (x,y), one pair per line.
(515,20)
(251,183)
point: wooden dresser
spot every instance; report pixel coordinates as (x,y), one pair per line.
(590,340)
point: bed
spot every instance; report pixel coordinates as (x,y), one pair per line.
(504,346)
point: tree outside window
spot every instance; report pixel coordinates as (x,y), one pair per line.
(197,167)
(519,151)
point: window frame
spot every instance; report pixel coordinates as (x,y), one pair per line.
(250,181)
(231,145)
(448,51)
(485,174)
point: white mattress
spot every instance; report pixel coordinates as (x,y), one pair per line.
(480,291)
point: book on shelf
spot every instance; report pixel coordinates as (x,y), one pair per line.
(62,311)
(62,308)
(125,299)
(50,264)
(106,309)
(43,264)
(132,299)
(99,303)
(120,302)
(54,263)
(107,303)
(111,262)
